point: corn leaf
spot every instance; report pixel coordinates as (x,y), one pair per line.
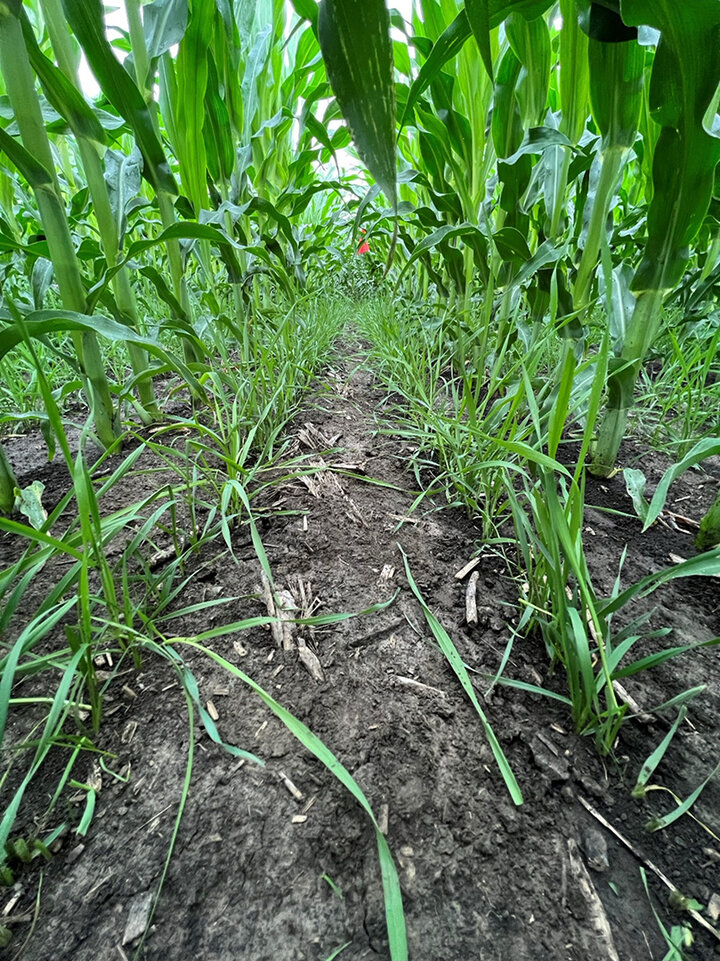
(191,73)
(530,42)
(60,91)
(451,42)
(31,169)
(478,15)
(616,89)
(439,236)
(86,19)
(165,22)
(123,177)
(685,75)
(355,43)
(38,323)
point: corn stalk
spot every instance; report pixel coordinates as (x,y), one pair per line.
(35,161)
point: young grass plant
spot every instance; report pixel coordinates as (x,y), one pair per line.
(576,624)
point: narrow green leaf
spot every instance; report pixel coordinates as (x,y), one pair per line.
(456,663)
(393,897)
(657,824)
(709,447)
(703,565)
(648,768)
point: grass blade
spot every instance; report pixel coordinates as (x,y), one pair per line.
(394,913)
(451,653)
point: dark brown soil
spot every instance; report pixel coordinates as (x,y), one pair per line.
(482,879)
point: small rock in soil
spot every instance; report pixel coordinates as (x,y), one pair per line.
(714,907)
(556,768)
(138,915)
(594,847)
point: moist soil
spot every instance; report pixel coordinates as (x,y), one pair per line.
(278,862)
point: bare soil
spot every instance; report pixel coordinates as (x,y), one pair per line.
(482,880)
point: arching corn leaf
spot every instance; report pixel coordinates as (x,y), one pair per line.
(355,43)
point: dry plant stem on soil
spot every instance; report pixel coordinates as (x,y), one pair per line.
(698,918)
(597,917)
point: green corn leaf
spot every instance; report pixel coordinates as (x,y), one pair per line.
(685,76)
(574,76)
(164,22)
(256,66)
(478,16)
(191,73)
(506,126)
(123,177)
(546,254)
(530,42)
(601,21)
(440,236)
(500,10)
(86,20)
(60,91)
(444,49)
(355,43)
(307,10)
(39,323)
(32,170)
(29,503)
(635,483)
(512,246)
(163,291)
(452,40)
(616,90)
(537,140)
(219,142)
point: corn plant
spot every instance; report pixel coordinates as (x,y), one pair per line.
(629,65)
